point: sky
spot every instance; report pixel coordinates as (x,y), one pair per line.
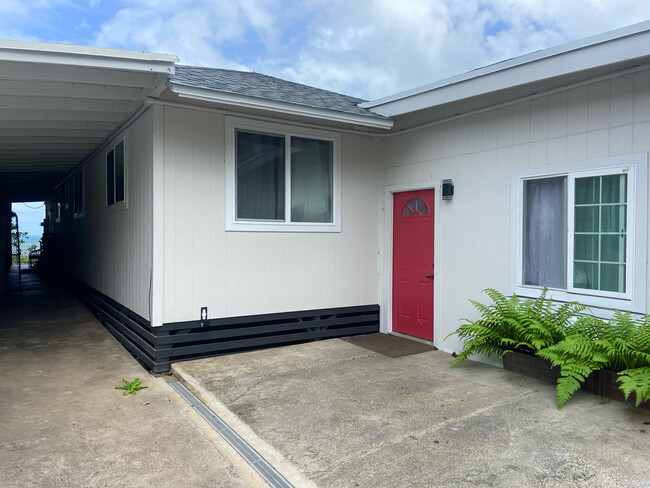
(30,216)
(363,48)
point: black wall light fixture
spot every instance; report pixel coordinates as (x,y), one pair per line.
(447,189)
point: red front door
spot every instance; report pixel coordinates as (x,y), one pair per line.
(413,263)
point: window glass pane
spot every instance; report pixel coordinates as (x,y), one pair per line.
(260,175)
(585,275)
(110,175)
(614,218)
(81,194)
(587,219)
(544,227)
(587,190)
(119,172)
(415,206)
(614,188)
(612,277)
(613,248)
(75,197)
(600,232)
(312,180)
(77,194)
(586,247)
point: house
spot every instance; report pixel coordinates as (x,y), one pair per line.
(203,211)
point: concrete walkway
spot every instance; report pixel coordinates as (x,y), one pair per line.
(332,414)
(62,423)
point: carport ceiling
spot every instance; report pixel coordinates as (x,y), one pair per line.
(59,103)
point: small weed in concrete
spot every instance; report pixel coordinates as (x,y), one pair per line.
(131,387)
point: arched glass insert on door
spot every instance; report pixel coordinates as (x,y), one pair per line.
(415,206)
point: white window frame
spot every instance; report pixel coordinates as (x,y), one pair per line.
(232,224)
(115,206)
(82,198)
(58,205)
(66,195)
(636,166)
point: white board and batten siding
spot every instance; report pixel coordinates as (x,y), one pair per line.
(239,273)
(109,248)
(480,152)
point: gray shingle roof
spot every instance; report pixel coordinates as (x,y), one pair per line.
(267,87)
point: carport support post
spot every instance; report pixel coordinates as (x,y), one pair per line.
(5,244)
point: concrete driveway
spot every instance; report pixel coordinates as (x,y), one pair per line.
(334,414)
(62,423)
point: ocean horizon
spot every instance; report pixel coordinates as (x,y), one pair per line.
(29,240)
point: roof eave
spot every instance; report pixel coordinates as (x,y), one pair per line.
(609,48)
(83,56)
(232,99)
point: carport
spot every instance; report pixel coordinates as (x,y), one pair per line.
(59,104)
(63,422)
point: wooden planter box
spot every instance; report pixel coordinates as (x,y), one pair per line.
(532,366)
(602,383)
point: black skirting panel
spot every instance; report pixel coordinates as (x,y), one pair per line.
(158,347)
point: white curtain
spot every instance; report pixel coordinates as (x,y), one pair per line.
(545,232)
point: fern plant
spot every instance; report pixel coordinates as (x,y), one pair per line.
(631,356)
(591,344)
(579,344)
(578,355)
(635,380)
(630,341)
(510,323)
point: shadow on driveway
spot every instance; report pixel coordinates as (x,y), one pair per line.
(63,423)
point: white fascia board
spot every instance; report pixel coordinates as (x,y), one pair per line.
(92,57)
(282,107)
(612,47)
(87,75)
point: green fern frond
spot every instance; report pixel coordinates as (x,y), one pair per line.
(478,348)
(624,324)
(566,387)
(640,336)
(567,336)
(577,356)
(635,380)
(509,322)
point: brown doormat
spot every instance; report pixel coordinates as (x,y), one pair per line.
(389,345)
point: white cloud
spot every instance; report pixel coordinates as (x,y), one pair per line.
(365,48)
(193,30)
(379,48)
(374,48)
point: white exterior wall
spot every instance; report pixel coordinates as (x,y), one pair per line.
(479,153)
(110,248)
(237,273)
